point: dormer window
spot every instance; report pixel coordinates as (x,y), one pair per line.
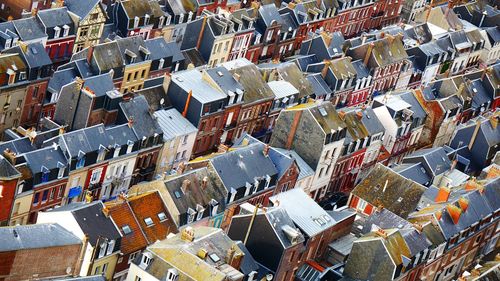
(145,260)
(144,141)
(268,181)
(248,186)
(45,174)
(200,211)
(233,195)
(12,76)
(169,19)
(57,32)
(116,152)
(161,21)
(62,168)
(172,274)
(190,215)
(7,43)
(215,206)
(161,63)
(146,19)
(130,145)
(81,160)
(190,15)
(136,22)
(66,30)
(102,153)
(181,18)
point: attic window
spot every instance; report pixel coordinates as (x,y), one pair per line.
(400,199)
(214,257)
(148,221)
(177,194)
(319,221)
(220,73)
(126,229)
(162,216)
(322,111)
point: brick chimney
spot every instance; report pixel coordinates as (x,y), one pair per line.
(187,234)
(204,182)
(185,186)
(265,151)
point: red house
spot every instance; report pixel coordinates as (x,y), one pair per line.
(60,30)
(8,184)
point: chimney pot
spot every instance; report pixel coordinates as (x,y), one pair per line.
(187,234)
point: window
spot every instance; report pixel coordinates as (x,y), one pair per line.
(60,193)
(104,268)
(162,216)
(36,198)
(116,153)
(132,256)
(45,176)
(97,270)
(60,174)
(148,221)
(66,30)
(95,176)
(130,145)
(190,214)
(137,278)
(81,162)
(57,31)
(111,248)
(52,193)
(126,230)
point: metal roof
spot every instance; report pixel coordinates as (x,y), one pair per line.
(173,124)
(191,80)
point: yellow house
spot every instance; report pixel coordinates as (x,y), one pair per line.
(21,208)
(105,266)
(134,76)
(89,17)
(221,49)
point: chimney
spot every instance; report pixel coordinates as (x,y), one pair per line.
(359,114)
(265,151)
(494,120)
(327,38)
(236,261)
(90,53)
(442,195)
(105,211)
(204,182)
(291,5)
(474,134)
(380,232)
(185,186)
(439,214)
(10,155)
(237,77)
(324,71)
(187,234)
(418,227)
(390,38)
(222,148)
(181,168)
(454,212)
(342,115)
(382,34)
(61,130)
(229,254)
(368,53)
(131,121)
(202,253)
(79,82)
(293,130)
(471,184)
(463,203)
(186,106)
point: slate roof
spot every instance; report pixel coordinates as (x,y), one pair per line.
(434,159)
(304,211)
(137,109)
(236,168)
(45,158)
(400,196)
(29,29)
(81,8)
(36,236)
(224,79)
(371,121)
(36,56)
(291,73)
(181,254)
(197,194)
(250,77)
(91,220)
(385,219)
(320,87)
(108,56)
(7,170)
(305,169)
(159,48)
(55,17)
(99,84)
(414,172)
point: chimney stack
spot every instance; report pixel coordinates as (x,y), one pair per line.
(204,182)
(185,186)
(10,156)
(266,150)
(131,121)
(187,234)
(442,195)
(181,168)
